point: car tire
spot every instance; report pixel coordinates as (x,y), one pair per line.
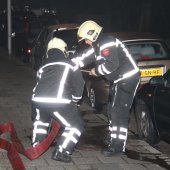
(145,126)
(92,100)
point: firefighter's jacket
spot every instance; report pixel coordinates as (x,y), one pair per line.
(111,59)
(58,82)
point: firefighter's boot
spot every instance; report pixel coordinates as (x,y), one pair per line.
(61,156)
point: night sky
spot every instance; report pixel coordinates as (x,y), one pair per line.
(115,15)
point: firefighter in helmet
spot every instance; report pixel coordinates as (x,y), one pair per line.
(59,87)
(114,62)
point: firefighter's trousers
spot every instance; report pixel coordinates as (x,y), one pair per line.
(67,115)
(120,101)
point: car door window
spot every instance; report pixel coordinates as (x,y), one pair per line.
(69,36)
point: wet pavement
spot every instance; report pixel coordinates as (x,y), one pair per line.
(16,82)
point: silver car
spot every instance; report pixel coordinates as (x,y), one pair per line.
(151,53)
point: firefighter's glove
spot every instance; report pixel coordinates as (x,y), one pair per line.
(92,72)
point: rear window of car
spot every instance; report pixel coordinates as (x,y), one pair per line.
(154,50)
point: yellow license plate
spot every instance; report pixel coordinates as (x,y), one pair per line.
(151,72)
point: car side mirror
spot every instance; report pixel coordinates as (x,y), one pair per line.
(157,80)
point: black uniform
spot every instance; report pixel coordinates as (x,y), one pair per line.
(58,87)
(113,60)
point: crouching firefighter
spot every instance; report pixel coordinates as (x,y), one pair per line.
(114,62)
(59,87)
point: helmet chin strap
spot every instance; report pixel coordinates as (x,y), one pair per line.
(66,54)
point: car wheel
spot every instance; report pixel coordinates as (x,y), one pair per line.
(146,130)
(93,102)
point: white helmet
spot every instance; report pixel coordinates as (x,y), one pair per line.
(59,44)
(89,30)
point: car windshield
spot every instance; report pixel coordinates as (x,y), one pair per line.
(69,36)
(147,50)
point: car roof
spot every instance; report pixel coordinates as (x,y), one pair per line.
(63,26)
(135,36)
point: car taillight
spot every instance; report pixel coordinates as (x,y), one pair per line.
(149,94)
(29,50)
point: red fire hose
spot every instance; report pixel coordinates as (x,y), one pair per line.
(15,147)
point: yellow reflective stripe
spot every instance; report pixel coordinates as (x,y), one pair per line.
(50,100)
(122,137)
(114,136)
(61,118)
(123,129)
